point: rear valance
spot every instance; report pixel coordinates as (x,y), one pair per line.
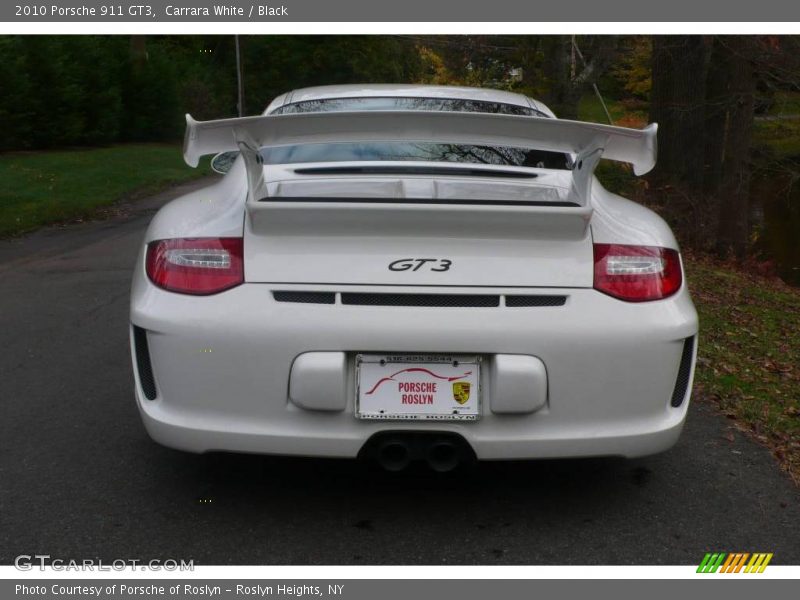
(589,141)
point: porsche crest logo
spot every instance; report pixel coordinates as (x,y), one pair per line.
(461,391)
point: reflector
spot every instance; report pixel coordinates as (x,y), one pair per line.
(196,257)
(633,265)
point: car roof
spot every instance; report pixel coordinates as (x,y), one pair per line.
(377,90)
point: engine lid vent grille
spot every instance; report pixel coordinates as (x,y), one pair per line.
(428,300)
(421,300)
(532,301)
(305,297)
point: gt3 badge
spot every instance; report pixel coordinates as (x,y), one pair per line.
(461,391)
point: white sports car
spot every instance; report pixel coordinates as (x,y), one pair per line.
(412,272)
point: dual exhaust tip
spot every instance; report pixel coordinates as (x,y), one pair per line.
(395,452)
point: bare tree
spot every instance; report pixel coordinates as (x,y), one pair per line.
(571,70)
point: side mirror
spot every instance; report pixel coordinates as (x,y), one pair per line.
(223,161)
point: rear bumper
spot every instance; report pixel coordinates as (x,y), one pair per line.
(221,366)
(490,443)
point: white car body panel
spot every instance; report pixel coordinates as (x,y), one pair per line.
(223,364)
(391,90)
(306,241)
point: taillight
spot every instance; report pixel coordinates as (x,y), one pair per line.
(199,266)
(636,273)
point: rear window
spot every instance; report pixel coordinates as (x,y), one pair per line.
(397,103)
(412,151)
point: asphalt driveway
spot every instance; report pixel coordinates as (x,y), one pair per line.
(79,478)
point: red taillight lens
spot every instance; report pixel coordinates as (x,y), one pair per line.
(636,273)
(198,266)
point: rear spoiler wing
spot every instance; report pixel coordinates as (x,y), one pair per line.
(587,141)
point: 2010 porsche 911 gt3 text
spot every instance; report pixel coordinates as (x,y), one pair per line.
(412,272)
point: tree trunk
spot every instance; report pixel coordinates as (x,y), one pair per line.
(677,105)
(138,50)
(556,72)
(716,119)
(731,57)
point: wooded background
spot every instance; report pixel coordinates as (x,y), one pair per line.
(728,107)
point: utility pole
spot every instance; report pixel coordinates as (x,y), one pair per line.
(239,80)
(572,66)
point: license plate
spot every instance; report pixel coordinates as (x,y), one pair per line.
(418,387)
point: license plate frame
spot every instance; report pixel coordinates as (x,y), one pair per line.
(397,387)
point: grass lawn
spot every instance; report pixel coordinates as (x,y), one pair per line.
(49,187)
(781,135)
(749,353)
(590,109)
(785,103)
